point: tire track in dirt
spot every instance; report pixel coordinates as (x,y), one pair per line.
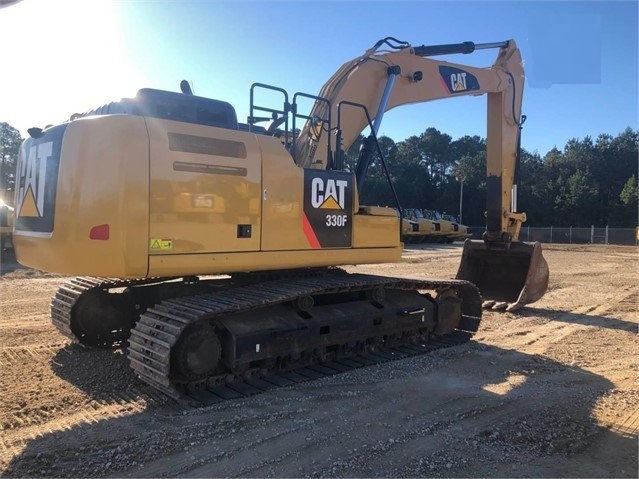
(16,322)
(41,353)
(629,425)
(626,299)
(619,411)
(629,304)
(21,423)
(536,339)
(13,302)
(19,429)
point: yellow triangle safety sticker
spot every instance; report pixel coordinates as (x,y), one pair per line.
(330,204)
(29,207)
(160,244)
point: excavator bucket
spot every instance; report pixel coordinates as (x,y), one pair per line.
(507,276)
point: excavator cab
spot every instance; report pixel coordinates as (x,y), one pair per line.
(508,275)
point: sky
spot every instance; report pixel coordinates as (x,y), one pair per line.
(66,56)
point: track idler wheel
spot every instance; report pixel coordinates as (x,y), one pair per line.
(197,353)
(101,319)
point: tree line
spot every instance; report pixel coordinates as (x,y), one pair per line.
(588,182)
(10,141)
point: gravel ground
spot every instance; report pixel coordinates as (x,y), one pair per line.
(549,391)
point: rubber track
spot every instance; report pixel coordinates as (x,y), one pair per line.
(68,294)
(160,326)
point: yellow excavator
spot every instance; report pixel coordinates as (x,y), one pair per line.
(154,197)
(410,230)
(427,230)
(460,231)
(449,226)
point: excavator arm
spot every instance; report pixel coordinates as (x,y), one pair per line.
(509,273)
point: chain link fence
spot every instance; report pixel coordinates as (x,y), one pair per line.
(572,235)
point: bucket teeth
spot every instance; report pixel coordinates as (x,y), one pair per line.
(499,306)
(515,306)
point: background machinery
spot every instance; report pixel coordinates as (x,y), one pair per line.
(150,196)
(446,228)
(410,230)
(6,225)
(435,227)
(460,231)
(449,225)
(428,230)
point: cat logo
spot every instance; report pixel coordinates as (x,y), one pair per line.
(33,170)
(37,183)
(328,193)
(458,81)
(328,208)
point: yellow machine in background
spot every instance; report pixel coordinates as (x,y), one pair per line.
(6,225)
(410,229)
(428,230)
(460,231)
(434,227)
(157,190)
(454,231)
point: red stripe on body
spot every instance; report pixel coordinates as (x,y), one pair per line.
(310,233)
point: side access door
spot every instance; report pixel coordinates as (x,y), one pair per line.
(205,189)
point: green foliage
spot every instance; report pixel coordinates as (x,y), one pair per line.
(10,141)
(629,194)
(588,182)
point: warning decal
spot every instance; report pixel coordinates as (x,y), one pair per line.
(157,244)
(328,208)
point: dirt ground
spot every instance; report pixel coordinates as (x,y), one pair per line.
(549,391)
